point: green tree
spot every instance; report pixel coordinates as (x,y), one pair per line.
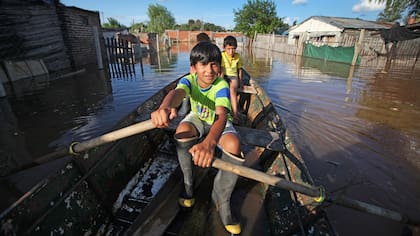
(199,25)
(391,13)
(257,16)
(394,9)
(138,27)
(213,27)
(160,19)
(113,24)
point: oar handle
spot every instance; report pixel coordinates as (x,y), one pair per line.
(114,135)
(317,192)
(247,172)
(77,148)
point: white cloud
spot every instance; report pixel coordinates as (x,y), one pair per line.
(289,20)
(366,5)
(299,2)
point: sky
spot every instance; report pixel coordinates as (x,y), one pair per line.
(221,12)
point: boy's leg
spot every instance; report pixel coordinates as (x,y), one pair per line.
(234,97)
(186,136)
(185,162)
(224,182)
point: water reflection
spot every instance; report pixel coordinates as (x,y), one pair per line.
(356,128)
(43,115)
(163,60)
(330,68)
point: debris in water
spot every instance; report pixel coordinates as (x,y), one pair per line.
(334,163)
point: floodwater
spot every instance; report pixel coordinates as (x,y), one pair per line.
(357,128)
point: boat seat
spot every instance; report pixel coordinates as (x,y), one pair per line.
(261,138)
(247,89)
(253,137)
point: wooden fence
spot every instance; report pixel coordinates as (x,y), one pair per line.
(120,56)
(406,53)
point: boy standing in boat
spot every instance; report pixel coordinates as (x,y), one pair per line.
(208,125)
(231,70)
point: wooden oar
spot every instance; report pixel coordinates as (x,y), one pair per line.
(77,148)
(318,193)
(266,139)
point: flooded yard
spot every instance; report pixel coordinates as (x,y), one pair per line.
(357,128)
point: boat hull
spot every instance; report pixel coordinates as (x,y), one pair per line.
(131,186)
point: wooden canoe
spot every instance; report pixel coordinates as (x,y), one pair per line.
(130,186)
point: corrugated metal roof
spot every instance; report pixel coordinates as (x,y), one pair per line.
(349,23)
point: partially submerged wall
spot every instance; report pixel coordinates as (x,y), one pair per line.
(82,31)
(62,37)
(31,30)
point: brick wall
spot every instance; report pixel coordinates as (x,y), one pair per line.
(78,30)
(60,36)
(31,30)
(190,36)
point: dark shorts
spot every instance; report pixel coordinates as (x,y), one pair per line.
(230,78)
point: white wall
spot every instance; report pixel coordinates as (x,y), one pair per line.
(313,28)
(313,25)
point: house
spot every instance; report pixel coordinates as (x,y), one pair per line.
(332,30)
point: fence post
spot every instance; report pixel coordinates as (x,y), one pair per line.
(177,36)
(273,40)
(415,61)
(391,55)
(157,42)
(254,39)
(98,47)
(301,44)
(358,47)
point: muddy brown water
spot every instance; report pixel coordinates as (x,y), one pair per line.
(357,128)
